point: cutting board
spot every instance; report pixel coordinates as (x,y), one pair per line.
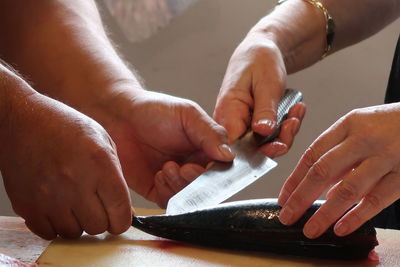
(136,248)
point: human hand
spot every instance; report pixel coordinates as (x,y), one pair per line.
(251,90)
(151,129)
(359,156)
(61,170)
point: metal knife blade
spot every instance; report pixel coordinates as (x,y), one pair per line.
(222,180)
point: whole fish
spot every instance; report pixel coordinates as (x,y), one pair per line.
(254,225)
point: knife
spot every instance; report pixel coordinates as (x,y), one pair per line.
(224,179)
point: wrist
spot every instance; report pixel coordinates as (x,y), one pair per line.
(115,102)
(15,94)
(296,27)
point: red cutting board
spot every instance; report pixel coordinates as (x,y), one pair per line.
(136,248)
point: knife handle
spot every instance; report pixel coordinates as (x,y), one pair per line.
(290,98)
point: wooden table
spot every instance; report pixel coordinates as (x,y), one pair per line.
(18,242)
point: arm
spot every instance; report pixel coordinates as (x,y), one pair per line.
(63,49)
(298,28)
(292,37)
(60,46)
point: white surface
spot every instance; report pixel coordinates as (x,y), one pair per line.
(188,59)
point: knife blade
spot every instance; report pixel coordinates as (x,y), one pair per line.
(224,179)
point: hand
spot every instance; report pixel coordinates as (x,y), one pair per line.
(61,171)
(151,129)
(359,155)
(252,87)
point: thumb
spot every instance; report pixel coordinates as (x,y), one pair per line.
(233,114)
(208,136)
(267,95)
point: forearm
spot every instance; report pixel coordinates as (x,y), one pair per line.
(61,46)
(15,96)
(299,27)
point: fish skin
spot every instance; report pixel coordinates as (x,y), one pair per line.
(254,225)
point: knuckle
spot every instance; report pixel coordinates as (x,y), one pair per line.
(325,216)
(352,116)
(297,200)
(43,191)
(191,106)
(309,157)
(99,154)
(356,219)
(218,129)
(260,49)
(347,192)
(67,177)
(111,142)
(373,201)
(319,172)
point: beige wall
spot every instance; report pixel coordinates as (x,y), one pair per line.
(188,59)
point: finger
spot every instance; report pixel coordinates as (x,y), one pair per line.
(65,223)
(164,191)
(325,142)
(322,173)
(381,196)
(174,180)
(347,193)
(41,226)
(289,129)
(91,215)
(207,135)
(331,190)
(234,115)
(191,171)
(292,124)
(298,111)
(234,102)
(284,141)
(199,158)
(268,88)
(114,195)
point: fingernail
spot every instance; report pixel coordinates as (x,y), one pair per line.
(286,215)
(269,123)
(341,228)
(311,230)
(226,151)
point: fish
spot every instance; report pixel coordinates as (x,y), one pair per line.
(254,225)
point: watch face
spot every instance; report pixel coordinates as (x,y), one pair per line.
(141,19)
